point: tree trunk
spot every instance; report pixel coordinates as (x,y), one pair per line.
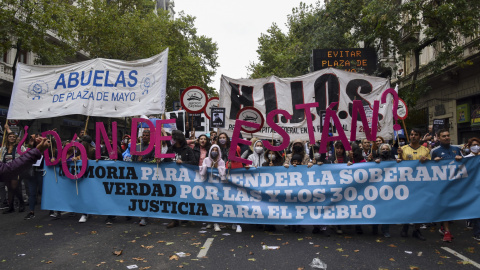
(417,60)
(17,55)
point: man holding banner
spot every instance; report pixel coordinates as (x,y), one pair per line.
(414,151)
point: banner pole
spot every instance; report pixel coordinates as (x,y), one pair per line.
(405,128)
(54,167)
(3,141)
(86,125)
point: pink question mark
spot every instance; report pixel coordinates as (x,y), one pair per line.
(395,105)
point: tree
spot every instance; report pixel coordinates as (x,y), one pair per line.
(441,24)
(130,30)
(41,26)
(393,28)
(341,24)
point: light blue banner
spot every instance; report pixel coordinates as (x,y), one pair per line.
(364,193)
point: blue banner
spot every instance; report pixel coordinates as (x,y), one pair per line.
(363,193)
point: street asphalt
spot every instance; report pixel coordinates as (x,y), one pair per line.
(44,243)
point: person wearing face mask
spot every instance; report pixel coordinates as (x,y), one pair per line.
(473,145)
(249,150)
(257,157)
(384,155)
(224,143)
(214,160)
(315,156)
(183,155)
(273,158)
(446,151)
(297,148)
(125,142)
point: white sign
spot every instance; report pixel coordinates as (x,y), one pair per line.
(98,87)
(324,87)
(194,99)
(212,103)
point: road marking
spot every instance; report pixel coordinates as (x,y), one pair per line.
(461,256)
(205,248)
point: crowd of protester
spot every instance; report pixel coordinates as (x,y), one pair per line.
(211,150)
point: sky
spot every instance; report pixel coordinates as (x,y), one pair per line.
(236,26)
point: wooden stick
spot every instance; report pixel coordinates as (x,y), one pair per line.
(406,132)
(86,125)
(3,142)
(54,168)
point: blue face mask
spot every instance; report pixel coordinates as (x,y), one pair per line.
(214,154)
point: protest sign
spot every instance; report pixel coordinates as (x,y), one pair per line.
(323,87)
(98,87)
(194,99)
(364,193)
(218,120)
(212,103)
(200,121)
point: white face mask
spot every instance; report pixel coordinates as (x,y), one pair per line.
(271,157)
(475,149)
(317,155)
(259,150)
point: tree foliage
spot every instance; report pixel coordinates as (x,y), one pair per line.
(115,29)
(391,27)
(32,25)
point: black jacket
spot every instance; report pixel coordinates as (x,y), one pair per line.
(185,153)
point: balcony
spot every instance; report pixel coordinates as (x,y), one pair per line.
(408,35)
(6,72)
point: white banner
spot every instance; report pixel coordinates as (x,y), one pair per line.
(98,87)
(325,87)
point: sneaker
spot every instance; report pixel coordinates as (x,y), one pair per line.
(172,224)
(441,230)
(109,221)
(469,224)
(143,222)
(417,234)
(423,227)
(234,226)
(216,227)
(52,214)
(477,237)
(83,219)
(239,229)
(339,231)
(386,235)
(209,226)
(447,237)
(29,216)
(56,215)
